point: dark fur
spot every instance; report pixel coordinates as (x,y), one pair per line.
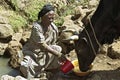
(106,23)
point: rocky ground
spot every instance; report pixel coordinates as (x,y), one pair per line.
(104,68)
(106,65)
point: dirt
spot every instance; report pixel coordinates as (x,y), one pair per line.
(104,68)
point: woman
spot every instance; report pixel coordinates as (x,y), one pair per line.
(41,52)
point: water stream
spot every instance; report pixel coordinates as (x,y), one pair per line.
(5,69)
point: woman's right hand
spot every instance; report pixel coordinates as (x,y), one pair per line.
(62,58)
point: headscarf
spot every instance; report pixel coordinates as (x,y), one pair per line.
(46,8)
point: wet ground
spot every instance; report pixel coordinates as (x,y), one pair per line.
(5,69)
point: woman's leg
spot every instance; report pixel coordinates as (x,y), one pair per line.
(27,67)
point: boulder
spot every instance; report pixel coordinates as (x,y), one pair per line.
(16,55)
(6,31)
(25,37)
(17,36)
(68,34)
(114,50)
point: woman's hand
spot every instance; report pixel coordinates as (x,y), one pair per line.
(62,58)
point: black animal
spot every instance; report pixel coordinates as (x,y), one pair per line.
(106,26)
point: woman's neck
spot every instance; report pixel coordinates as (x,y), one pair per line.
(45,24)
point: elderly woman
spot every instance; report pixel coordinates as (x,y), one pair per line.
(41,52)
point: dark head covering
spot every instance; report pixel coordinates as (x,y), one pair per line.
(46,8)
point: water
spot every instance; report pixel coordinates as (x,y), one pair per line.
(5,69)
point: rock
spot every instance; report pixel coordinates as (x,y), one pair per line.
(70,29)
(93,3)
(17,37)
(25,37)
(101,63)
(114,50)
(16,59)
(79,12)
(105,63)
(70,24)
(21,4)
(104,49)
(6,31)
(7,77)
(13,47)
(3,20)
(19,78)
(3,47)
(15,53)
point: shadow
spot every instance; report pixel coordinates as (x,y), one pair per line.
(68,76)
(105,75)
(6,40)
(14,73)
(94,75)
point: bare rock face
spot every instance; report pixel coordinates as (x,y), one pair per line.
(14,49)
(17,37)
(70,29)
(70,24)
(114,50)
(3,20)
(6,32)
(22,3)
(16,59)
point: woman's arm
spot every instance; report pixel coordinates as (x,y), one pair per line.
(49,49)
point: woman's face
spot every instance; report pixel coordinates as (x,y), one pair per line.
(48,17)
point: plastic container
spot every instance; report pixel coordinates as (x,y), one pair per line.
(66,66)
(77,71)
